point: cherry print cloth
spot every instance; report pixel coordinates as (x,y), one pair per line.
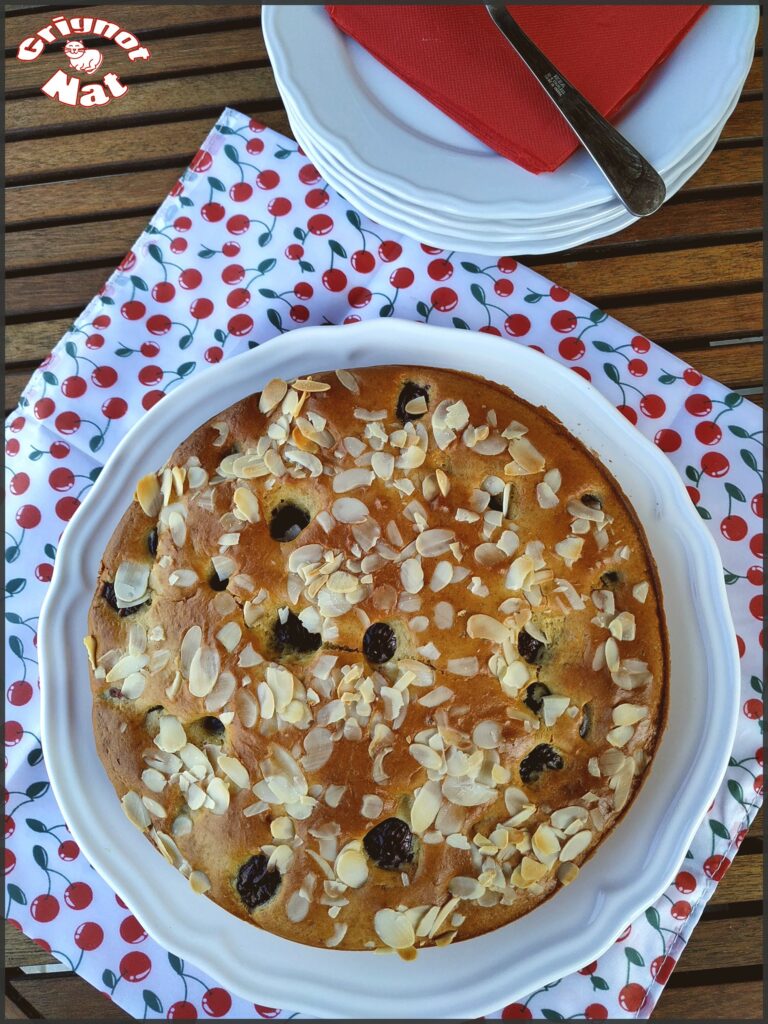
(457,58)
(249,244)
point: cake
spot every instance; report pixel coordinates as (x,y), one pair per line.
(378,658)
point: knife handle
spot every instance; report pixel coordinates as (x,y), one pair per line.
(639,187)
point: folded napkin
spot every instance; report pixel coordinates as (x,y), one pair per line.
(249,244)
(458,59)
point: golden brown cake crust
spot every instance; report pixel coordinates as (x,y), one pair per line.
(393,593)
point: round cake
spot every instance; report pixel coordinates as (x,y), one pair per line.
(378,657)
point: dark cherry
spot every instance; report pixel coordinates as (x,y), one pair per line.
(541,758)
(534,696)
(212,725)
(530,648)
(610,579)
(379,643)
(591,501)
(108,593)
(407,394)
(586,721)
(256,884)
(152,542)
(215,582)
(390,844)
(294,635)
(287,522)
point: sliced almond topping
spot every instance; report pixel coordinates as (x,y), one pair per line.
(576,845)
(351,867)
(149,496)
(394,929)
(199,882)
(135,811)
(272,395)
(308,385)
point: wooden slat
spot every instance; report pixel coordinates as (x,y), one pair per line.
(64,998)
(743,881)
(658,272)
(746,121)
(212,52)
(754,82)
(729,167)
(82,154)
(15,382)
(43,247)
(729,1001)
(756,829)
(734,942)
(669,323)
(138,18)
(52,292)
(23,952)
(166,97)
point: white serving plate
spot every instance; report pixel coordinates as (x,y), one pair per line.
(400,142)
(628,871)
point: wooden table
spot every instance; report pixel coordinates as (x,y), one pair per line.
(82,184)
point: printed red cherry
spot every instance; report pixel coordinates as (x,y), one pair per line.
(756,545)
(669,441)
(149,349)
(758,785)
(755,575)
(708,432)
(230,249)
(756,607)
(44,407)
(163,291)
(716,866)
(238,224)
(359,297)
(563,321)
(128,261)
(308,174)
(632,997)
(517,325)
(596,1011)
(69,850)
(13,733)
(240,325)
(19,483)
(28,517)
(698,404)
(68,422)
(177,188)
(294,251)
(44,908)
(233,273)
(662,967)
(299,314)
(190,278)
(757,505)
(320,224)
(201,161)
(159,324)
(179,245)
(516,1011)
(692,377)
(133,310)
(740,646)
(733,528)
(268,180)
(316,198)
(389,250)
(217,1002)
(334,280)
(131,931)
(254,146)
(135,966)
(715,464)
(10,861)
(212,212)
(66,508)
(10,826)
(625,934)
(241,192)
(653,406)
(440,269)
(401,278)
(115,408)
(641,344)
(201,309)
(363,261)
(503,287)
(637,367)
(589,969)
(12,447)
(182,1010)
(214,354)
(151,398)
(89,936)
(444,299)
(681,910)
(61,479)
(238,298)
(74,387)
(685,882)
(558,294)
(351,318)
(150,375)
(506,265)
(759,756)
(303,290)
(104,376)
(490,329)
(94,341)
(571,348)
(280,206)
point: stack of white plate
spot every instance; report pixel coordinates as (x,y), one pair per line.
(408,166)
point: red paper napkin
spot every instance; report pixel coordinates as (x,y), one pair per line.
(458,59)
